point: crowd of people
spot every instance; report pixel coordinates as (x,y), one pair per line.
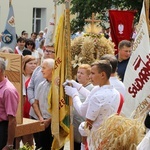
(97,92)
(37,59)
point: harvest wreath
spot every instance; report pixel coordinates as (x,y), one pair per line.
(90,47)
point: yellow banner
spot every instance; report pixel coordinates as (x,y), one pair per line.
(58,106)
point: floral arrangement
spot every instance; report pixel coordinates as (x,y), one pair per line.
(89,47)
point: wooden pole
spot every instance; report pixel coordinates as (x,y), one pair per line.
(69,75)
(55,16)
(147,14)
(10,2)
(55,11)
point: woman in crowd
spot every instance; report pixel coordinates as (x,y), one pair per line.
(83,78)
(28,66)
(29,63)
(30,45)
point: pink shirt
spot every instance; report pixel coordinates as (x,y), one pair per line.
(9,99)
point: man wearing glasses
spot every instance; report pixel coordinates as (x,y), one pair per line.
(36,79)
(50,51)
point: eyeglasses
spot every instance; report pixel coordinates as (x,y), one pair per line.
(49,51)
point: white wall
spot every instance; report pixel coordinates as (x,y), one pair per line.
(23,10)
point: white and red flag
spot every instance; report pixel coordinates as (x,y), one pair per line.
(137,75)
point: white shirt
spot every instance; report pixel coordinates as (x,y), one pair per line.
(35,54)
(42,96)
(103,103)
(18,50)
(118,85)
(105,92)
(40,51)
(82,107)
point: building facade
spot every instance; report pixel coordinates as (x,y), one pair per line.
(30,15)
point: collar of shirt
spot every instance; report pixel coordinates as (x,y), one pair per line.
(3,83)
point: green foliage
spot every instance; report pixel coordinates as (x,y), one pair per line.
(27,147)
(84,9)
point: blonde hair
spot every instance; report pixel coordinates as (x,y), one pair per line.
(87,67)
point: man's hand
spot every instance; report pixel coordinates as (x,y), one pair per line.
(47,122)
(70,91)
(73,83)
(8,147)
(82,129)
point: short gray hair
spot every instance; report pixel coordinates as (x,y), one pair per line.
(2,64)
(50,62)
(6,48)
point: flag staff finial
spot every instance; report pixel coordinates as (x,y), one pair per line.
(55,2)
(10,2)
(67,4)
(69,72)
(147,13)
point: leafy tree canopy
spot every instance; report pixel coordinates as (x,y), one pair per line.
(83,9)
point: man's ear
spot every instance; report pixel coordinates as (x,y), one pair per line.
(103,74)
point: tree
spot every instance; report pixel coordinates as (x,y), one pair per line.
(84,9)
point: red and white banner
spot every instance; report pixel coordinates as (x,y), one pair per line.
(121,25)
(137,75)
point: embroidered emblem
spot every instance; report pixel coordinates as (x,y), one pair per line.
(7,37)
(121,28)
(11,21)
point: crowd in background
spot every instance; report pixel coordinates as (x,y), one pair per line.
(37,67)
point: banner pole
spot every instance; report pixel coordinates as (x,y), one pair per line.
(55,16)
(10,2)
(147,14)
(67,23)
